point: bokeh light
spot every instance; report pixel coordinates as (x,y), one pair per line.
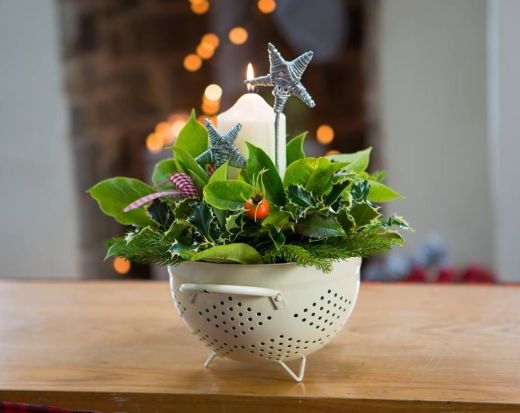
(154,142)
(333,152)
(325,134)
(210,39)
(199,6)
(205,50)
(213,92)
(238,35)
(121,265)
(210,107)
(192,63)
(266,6)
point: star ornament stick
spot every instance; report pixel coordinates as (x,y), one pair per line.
(285,77)
(222,148)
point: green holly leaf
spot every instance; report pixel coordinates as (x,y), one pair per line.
(320,227)
(228,194)
(299,196)
(358,161)
(294,148)
(231,253)
(202,219)
(261,167)
(160,213)
(379,192)
(115,194)
(313,174)
(193,137)
(364,214)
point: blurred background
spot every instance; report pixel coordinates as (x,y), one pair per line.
(95,88)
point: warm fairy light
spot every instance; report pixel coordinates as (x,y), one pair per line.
(210,39)
(121,265)
(199,7)
(250,74)
(154,142)
(210,107)
(213,92)
(177,127)
(266,6)
(162,128)
(205,50)
(325,134)
(192,63)
(238,35)
(333,152)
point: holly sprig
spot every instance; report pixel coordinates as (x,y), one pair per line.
(323,209)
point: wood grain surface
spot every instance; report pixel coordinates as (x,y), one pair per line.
(119,346)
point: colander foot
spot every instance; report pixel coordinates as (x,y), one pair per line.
(298,378)
(210,359)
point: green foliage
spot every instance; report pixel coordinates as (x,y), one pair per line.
(358,161)
(228,194)
(163,169)
(231,253)
(113,195)
(260,168)
(324,210)
(294,149)
(193,137)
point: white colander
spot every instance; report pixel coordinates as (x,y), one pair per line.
(264,313)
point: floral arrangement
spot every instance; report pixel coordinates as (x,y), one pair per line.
(322,210)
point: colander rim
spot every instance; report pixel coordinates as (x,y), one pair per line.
(277,265)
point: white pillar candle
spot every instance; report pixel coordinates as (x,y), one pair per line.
(257,119)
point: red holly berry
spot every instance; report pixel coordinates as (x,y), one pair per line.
(257,207)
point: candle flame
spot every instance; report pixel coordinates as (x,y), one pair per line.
(250,74)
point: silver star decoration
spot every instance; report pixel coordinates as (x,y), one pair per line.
(285,77)
(222,148)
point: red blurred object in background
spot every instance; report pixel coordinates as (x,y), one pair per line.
(417,275)
(474,273)
(446,275)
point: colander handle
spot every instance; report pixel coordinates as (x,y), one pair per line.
(277,298)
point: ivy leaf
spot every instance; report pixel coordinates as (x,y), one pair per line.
(163,169)
(358,161)
(193,137)
(228,194)
(379,192)
(259,164)
(115,194)
(320,227)
(294,148)
(363,214)
(231,253)
(191,167)
(160,213)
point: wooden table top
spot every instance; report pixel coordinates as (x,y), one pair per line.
(120,346)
